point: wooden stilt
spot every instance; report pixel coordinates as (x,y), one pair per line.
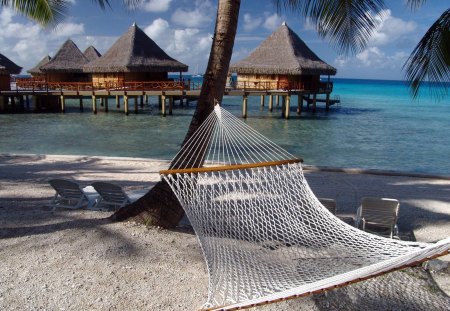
(106,104)
(170,105)
(328,102)
(94,104)
(270,103)
(163,105)
(244,106)
(81,104)
(278,100)
(141,99)
(102,101)
(287,106)
(27,99)
(314,102)
(63,103)
(2,103)
(262,101)
(308,101)
(160,102)
(117,102)
(146,99)
(300,103)
(125,104)
(135,104)
(22,103)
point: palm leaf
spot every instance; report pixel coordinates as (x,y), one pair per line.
(44,12)
(430,60)
(349,24)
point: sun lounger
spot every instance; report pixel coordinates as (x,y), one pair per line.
(69,194)
(111,196)
(378,215)
(330,204)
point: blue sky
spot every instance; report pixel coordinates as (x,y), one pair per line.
(183,28)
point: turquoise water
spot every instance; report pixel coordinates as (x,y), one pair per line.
(377,126)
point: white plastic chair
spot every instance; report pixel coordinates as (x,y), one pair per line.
(111,196)
(69,194)
(378,215)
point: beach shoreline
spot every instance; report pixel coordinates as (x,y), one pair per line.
(75,259)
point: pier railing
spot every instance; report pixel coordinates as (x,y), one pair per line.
(33,84)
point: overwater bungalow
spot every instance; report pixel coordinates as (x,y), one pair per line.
(7,68)
(36,71)
(283,61)
(66,65)
(91,53)
(134,57)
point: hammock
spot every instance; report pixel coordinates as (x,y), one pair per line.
(264,235)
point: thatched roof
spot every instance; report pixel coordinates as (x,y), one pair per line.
(37,69)
(91,53)
(68,59)
(134,51)
(283,52)
(7,66)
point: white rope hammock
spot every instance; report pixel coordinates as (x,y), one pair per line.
(264,234)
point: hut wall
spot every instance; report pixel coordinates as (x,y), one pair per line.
(264,82)
(5,82)
(67,77)
(117,79)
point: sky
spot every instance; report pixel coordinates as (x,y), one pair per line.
(184,30)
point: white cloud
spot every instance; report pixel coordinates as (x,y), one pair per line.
(273,21)
(372,57)
(65,30)
(157,29)
(6,16)
(156,5)
(199,17)
(390,29)
(251,23)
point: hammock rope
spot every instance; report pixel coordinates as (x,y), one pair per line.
(264,234)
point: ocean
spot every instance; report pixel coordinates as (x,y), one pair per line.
(376,126)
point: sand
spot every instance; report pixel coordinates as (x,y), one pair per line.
(76,260)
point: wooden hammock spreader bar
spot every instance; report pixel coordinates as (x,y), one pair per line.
(228,167)
(325,289)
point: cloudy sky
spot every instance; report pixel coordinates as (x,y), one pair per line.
(183,28)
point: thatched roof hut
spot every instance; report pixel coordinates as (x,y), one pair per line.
(36,70)
(8,67)
(283,53)
(134,51)
(68,59)
(91,53)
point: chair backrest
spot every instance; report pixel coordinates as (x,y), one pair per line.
(110,193)
(330,204)
(380,211)
(66,188)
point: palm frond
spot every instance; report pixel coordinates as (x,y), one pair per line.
(45,12)
(415,4)
(348,24)
(430,59)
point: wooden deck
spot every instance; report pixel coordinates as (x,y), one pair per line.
(167,91)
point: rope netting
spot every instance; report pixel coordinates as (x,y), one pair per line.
(264,234)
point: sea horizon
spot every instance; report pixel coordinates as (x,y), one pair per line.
(376,126)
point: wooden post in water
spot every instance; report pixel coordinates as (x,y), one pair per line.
(170,105)
(146,99)
(81,104)
(27,98)
(163,104)
(308,101)
(141,99)
(22,103)
(125,104)
(106,104)
(262,101)
(135,104)
(34,100)
(94,104)
(314,102)
(278,100)
(300,103)
(287,106)
(270,102)
(63,103)
(244,106)
(102,101)
(117,101)
(328,102)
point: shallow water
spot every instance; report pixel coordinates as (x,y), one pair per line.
(377,126)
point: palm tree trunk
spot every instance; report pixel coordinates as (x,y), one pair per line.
(160,207)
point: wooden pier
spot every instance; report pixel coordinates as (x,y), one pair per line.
(46,95)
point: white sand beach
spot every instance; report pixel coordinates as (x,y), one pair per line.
(77,260)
